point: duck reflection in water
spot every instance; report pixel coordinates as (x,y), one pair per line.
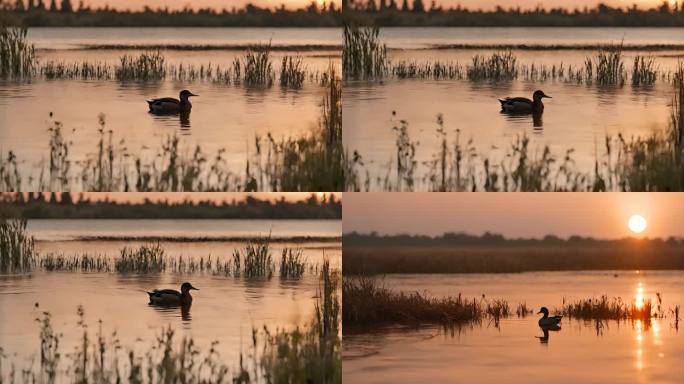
(185,120)
(545,329)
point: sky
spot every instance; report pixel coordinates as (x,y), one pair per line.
(137,197)
(489,4)
(599,215)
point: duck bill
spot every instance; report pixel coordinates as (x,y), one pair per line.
(548,97)
(192,94)
(539,312)
(196,289)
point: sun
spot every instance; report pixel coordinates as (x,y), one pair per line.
(637,223)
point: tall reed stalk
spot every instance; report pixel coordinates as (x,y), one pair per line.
(17,55)
(17,253)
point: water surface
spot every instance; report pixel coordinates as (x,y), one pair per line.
(517,351)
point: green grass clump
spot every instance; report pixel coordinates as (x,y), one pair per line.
(258,68)
(146,66)
(644,71)
(144,259)
(292,264)
(255,261)
(17,55)
(292,72)
(499,66)
(366,303)
(17,253)
(363,55)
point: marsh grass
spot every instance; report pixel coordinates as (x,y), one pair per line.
(17,253)
(608,66)
(309,162)
(143,259)
(500,66)
(147,66)
(257,67)
(292,72)
(254,261)
(603,308)
(363,55)
(367,303)
(292,263)
(644,72)
(17,55)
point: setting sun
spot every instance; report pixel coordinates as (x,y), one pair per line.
(637,223)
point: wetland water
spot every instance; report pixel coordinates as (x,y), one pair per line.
(516,352)
(224,116)
(224,309)
(579,116)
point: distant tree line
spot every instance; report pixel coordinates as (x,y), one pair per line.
(66,205)
(53,13)
(422,13)
(488,239)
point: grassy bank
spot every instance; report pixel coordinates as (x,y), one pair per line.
(631,255)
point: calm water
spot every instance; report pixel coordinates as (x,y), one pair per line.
(579,116)
(619,352)
(223,116)
(224,309)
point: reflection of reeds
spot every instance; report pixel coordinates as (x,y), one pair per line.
(367,303)
(363,55)
(17,253)
(17,55)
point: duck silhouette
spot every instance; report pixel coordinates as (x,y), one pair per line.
(169,105)
(546,320)
(171,297)
(523,104)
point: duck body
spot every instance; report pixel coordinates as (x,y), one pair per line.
(523,104)
(171,297)
(169,105)
(548,321)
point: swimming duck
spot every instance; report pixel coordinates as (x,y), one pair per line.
(171,296)
(523,104)
(167,105)
(546,320)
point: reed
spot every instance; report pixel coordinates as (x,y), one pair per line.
(367,303)
(603,308)
(17,55)
(17,253)
(363,55)
(257,66)
(254,261)
(609,66)
(500,66)
(147,66)
(292,264)
(292,72)
(143,259)
(644,72)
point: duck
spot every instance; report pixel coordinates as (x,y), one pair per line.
(169,105)
(548,321)
(523,104)
(171,296)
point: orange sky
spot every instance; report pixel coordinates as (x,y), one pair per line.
(196,4)
(600,215)
(198,196)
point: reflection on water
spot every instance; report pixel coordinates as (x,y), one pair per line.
(519,350)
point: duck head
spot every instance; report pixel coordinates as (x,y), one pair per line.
(538,95)
(186,287)
(185,94)
(544,311)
